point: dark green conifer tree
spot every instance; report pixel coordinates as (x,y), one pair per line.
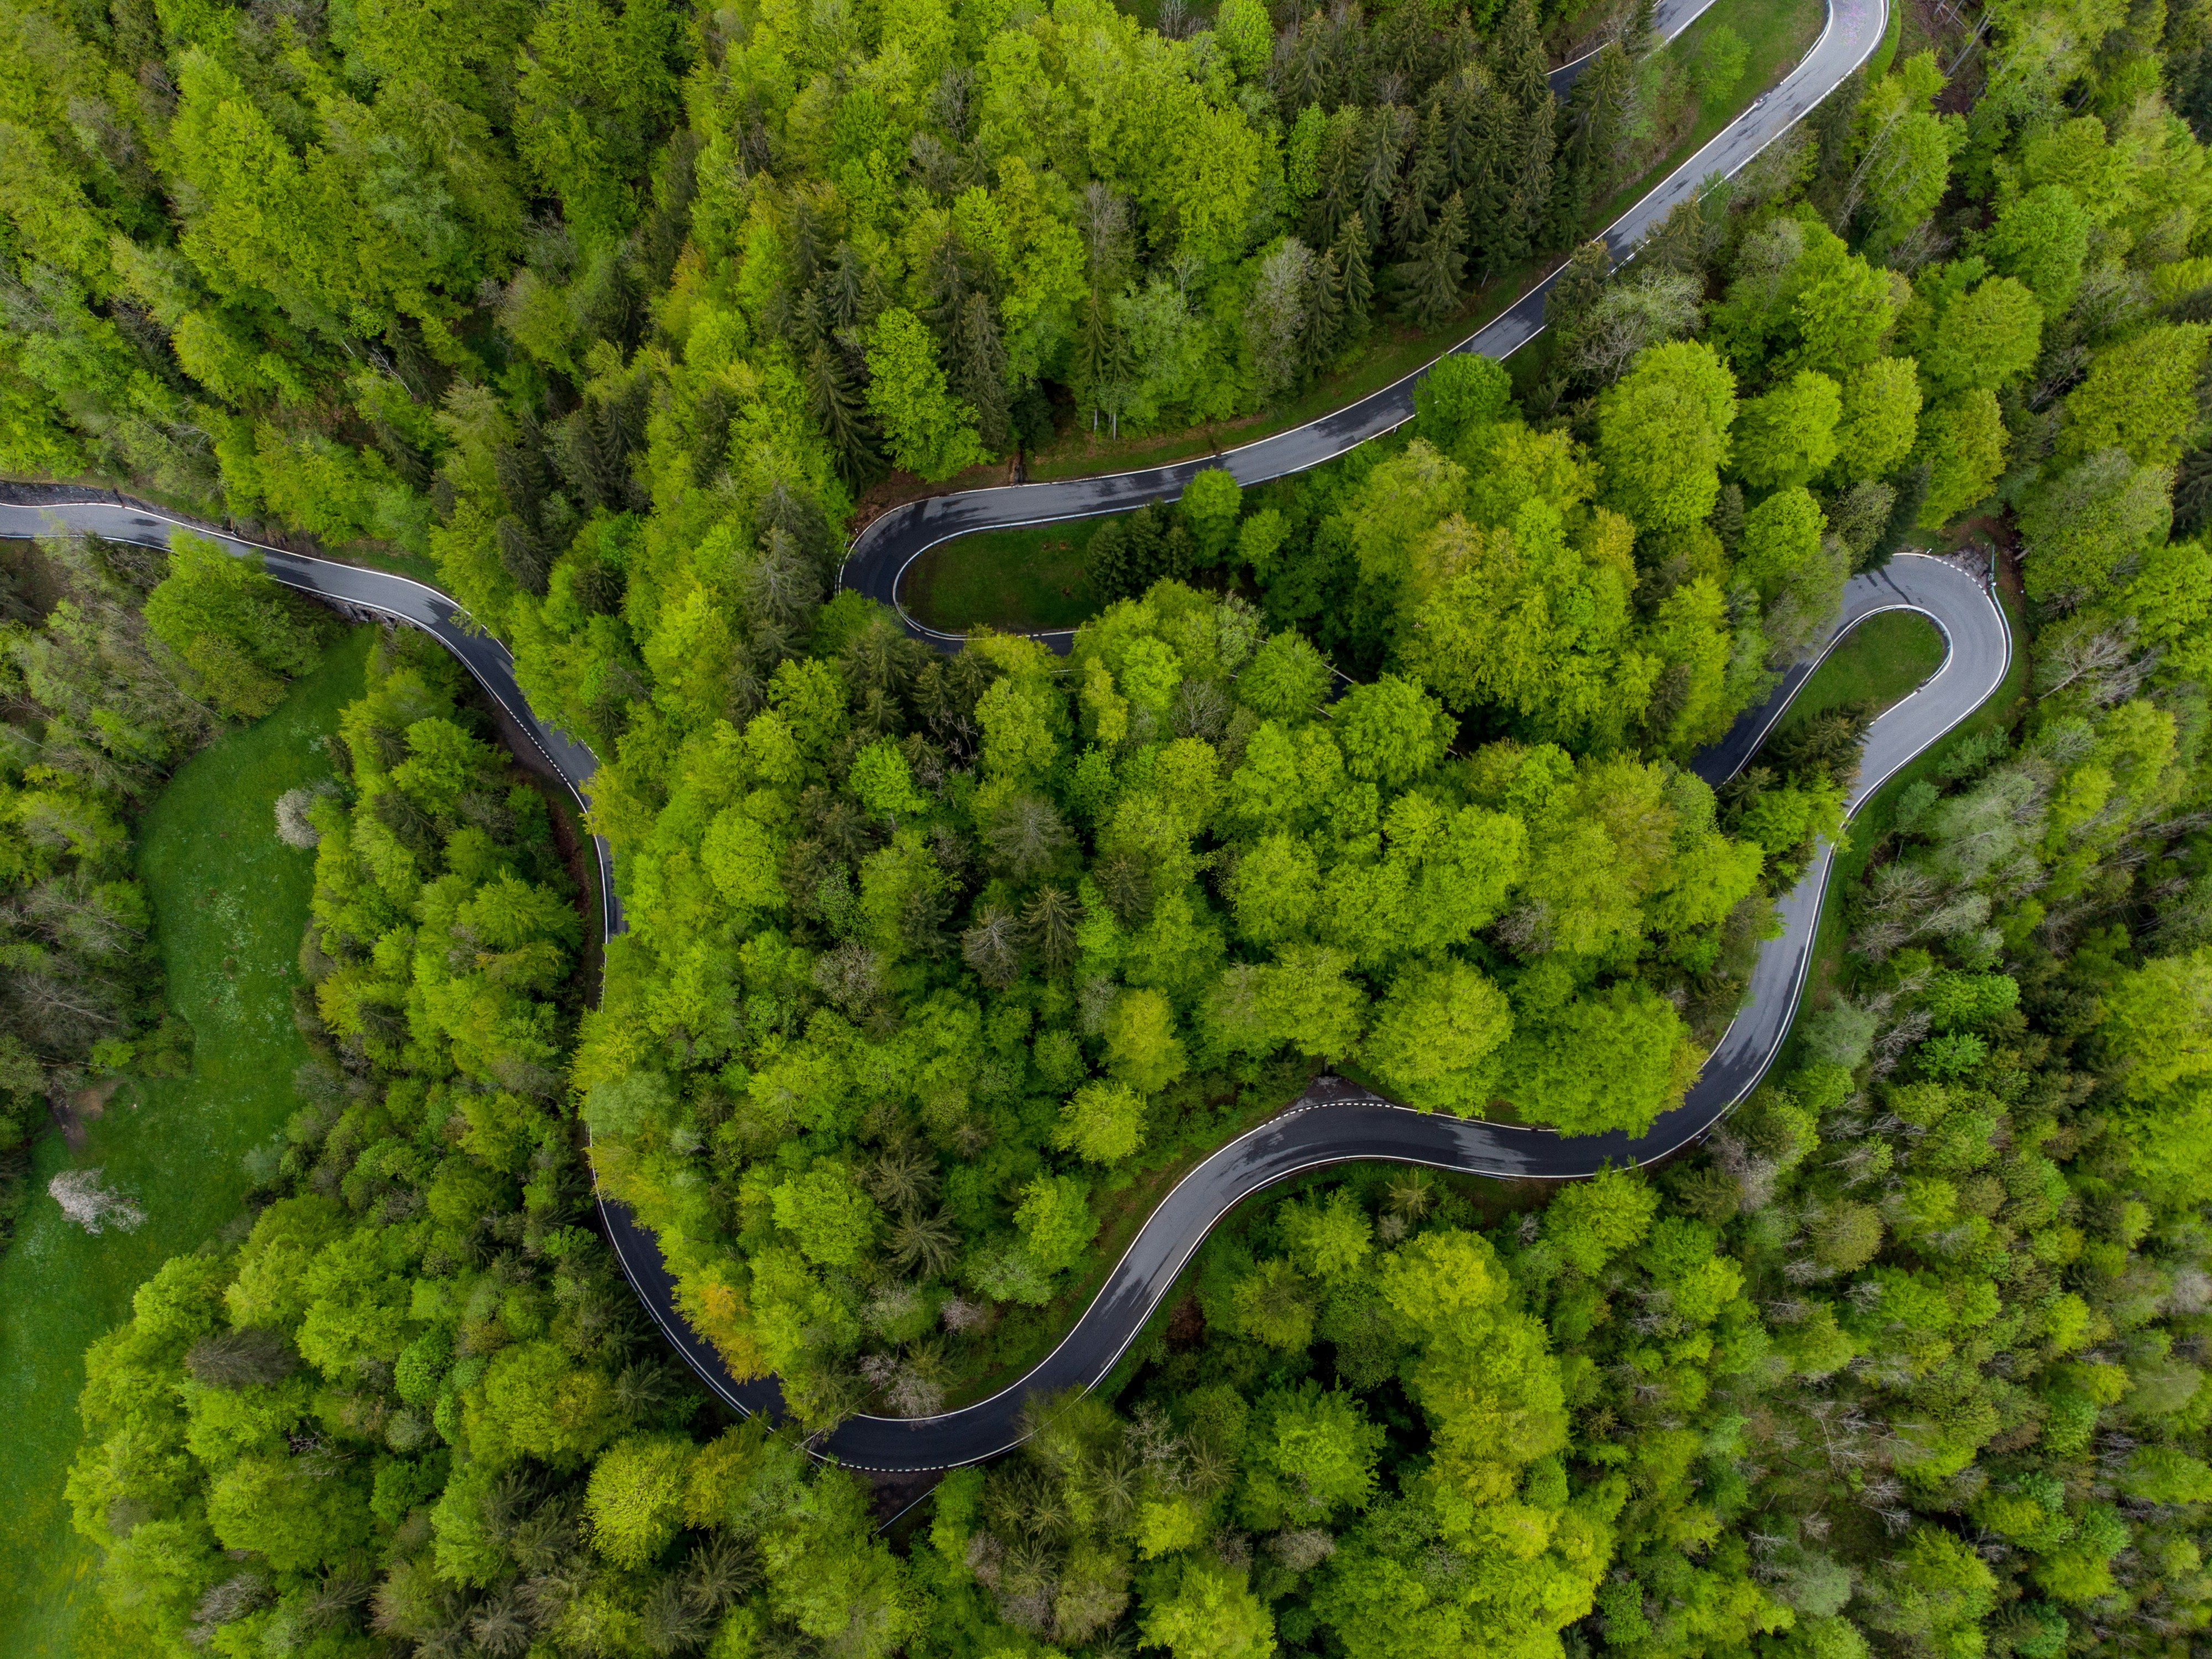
(1424,180)
(979,368)
(1324,313)
(1434,277)
(1350,255)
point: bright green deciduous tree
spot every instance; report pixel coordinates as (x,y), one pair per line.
(1392,731)
(1590,1222)
(1210,503)
(1986,339)
(1779,535)
(1663,434)
(636,1497)
(929,432)
(2042,237)
(2092,520)
(1963,440)
(1433,1035)
(1142,1047)
(1788,436)
(1882,418)
(1212,1615)
(1103,1122)
(231,625)
(2140,396)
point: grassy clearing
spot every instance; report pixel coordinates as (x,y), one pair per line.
(1872,825)
(1776,35)
(229,903)
(1019,579)
(1882,661)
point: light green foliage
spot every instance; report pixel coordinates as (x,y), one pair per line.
(1244,31)
(1788,436)
(636,1497)
(1308,1455)
(1103,1122)
(2091,523)
(1904,151)
(1212,1615)
(832,1219)
(1141,1045)
(1593,1221)
(1463,392)
(1880,417)
(2140,397)
(1663,434)
(1984,340)
(1964,441)
(232,626)
(1392,732)
(1780,535)
(932,433)
(2042,237)
(1211,504)
(1056,1221)
(1433,1035)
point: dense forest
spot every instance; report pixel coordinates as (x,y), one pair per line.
(940,966)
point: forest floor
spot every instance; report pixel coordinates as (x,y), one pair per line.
(230,901)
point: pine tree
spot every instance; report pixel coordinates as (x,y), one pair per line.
(1597,109)
(849,294)
(1358,281)
(1481,181)
(1528,192)
(979,368)
(1517,57)
(1324,314)
(1903,515)
(1100,358)
(837,406)
(1433,279)
(946,281)
(1338,182)
(1424,179)
(1642,36)
(1388,130)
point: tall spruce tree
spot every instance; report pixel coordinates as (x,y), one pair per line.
(1523,224)
(1517,57)
(1388,130)
(1350,255)
(1597,112)
(1424,180)
(1434,277)
(979,368)
(1324,313)
(834,400)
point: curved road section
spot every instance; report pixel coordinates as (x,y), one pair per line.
(1334,1122)
(887,545)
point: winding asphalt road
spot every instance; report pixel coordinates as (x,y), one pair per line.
(884,548)
(1334,1122)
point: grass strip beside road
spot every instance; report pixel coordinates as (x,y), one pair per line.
(229,903)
